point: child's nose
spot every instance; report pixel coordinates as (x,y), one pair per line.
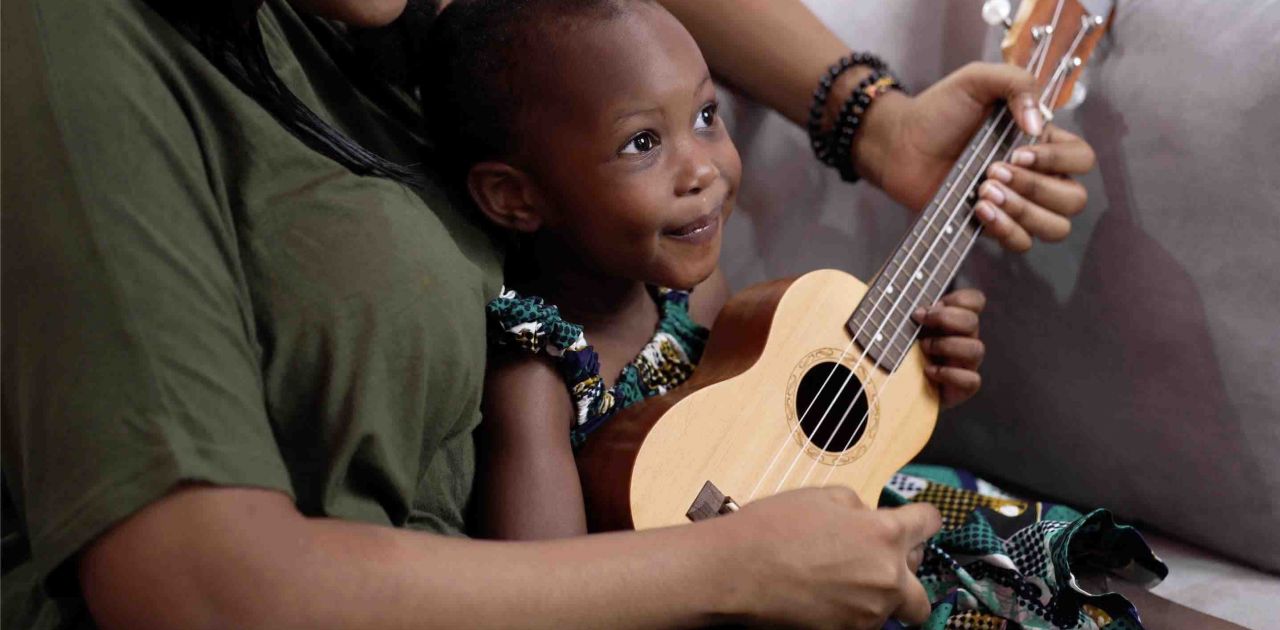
(699,173)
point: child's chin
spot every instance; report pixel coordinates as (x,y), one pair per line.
(693,274)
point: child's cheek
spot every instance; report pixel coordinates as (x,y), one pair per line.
(732,166)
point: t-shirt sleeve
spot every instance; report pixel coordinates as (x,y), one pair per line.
(130,359)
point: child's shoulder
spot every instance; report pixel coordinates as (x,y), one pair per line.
(525,371)
(511,371)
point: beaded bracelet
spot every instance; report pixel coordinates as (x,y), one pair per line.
(818,141)
(831,148)
(850,118)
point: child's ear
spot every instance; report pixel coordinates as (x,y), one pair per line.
(506,195)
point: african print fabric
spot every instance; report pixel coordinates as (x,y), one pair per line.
(1001,562)
(531,325)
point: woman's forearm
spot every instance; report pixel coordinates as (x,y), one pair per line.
(234,557)
(654,579)
(774,50)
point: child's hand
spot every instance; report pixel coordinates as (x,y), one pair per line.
(950,340)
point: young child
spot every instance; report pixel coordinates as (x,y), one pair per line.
(589,131)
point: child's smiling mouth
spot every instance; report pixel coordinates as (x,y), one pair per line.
(700,230)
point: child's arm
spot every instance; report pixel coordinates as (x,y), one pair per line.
(527,482)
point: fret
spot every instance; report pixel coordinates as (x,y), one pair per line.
(929,254)
(886,347)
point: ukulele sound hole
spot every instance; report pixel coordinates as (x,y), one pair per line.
(813,396)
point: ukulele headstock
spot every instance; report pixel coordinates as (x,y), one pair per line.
(1052,39)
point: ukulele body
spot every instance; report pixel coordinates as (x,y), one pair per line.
(739,415)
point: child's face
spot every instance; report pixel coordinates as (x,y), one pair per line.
(636,169)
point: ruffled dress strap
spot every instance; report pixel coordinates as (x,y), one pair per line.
(531,325)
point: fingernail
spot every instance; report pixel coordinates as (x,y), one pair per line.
(985,211)
(919,313)
(1023,157)
(993,192)
(1001,173)
(1032,120)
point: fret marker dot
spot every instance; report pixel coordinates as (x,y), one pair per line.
(919,276)
(947,229)
(889,290)
(879,337)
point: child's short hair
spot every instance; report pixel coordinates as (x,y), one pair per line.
(477,80)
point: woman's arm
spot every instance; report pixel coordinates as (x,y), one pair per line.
(234,557)
(773,50)
(527,484)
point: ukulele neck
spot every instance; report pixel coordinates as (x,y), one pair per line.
(926,260)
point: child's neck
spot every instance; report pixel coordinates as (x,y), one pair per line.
(584,296)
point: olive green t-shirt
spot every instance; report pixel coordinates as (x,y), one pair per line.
(190,293)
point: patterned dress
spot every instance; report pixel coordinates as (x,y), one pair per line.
(531,325)
(999,563)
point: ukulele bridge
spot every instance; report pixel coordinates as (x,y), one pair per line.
(710,503)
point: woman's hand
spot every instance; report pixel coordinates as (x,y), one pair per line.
(949,339)
(909,144)
(819,558)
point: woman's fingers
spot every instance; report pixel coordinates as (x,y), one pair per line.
(1029,195)
(1059,152)
(1014,219)
(1001,227)
(1059,195)
(916,523)
(915,558)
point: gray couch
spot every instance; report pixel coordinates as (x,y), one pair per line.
(1137,365)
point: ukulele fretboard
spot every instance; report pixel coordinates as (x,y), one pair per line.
(928,257)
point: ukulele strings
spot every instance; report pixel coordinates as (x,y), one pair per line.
(885,385)
(862,390)
(989,129)
(1040,54)
(1051,93)
(1041,47)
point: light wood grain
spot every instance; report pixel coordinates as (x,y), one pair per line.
(727,424)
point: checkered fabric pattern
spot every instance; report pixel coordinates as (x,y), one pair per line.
(1002,562)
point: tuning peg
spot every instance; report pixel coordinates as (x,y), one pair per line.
(996,12)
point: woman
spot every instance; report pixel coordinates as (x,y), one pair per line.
(243,341)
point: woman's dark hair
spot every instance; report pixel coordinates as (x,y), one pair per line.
(478,72)
(228,35)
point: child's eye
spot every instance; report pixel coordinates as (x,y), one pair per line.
(706,117)
(641,143)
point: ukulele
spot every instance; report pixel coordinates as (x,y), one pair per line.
(816,380)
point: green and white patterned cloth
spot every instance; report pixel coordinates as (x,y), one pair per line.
(1001,562)
(528,324)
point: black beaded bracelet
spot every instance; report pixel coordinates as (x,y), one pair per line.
(851,116)
(820,142)
(833,147)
